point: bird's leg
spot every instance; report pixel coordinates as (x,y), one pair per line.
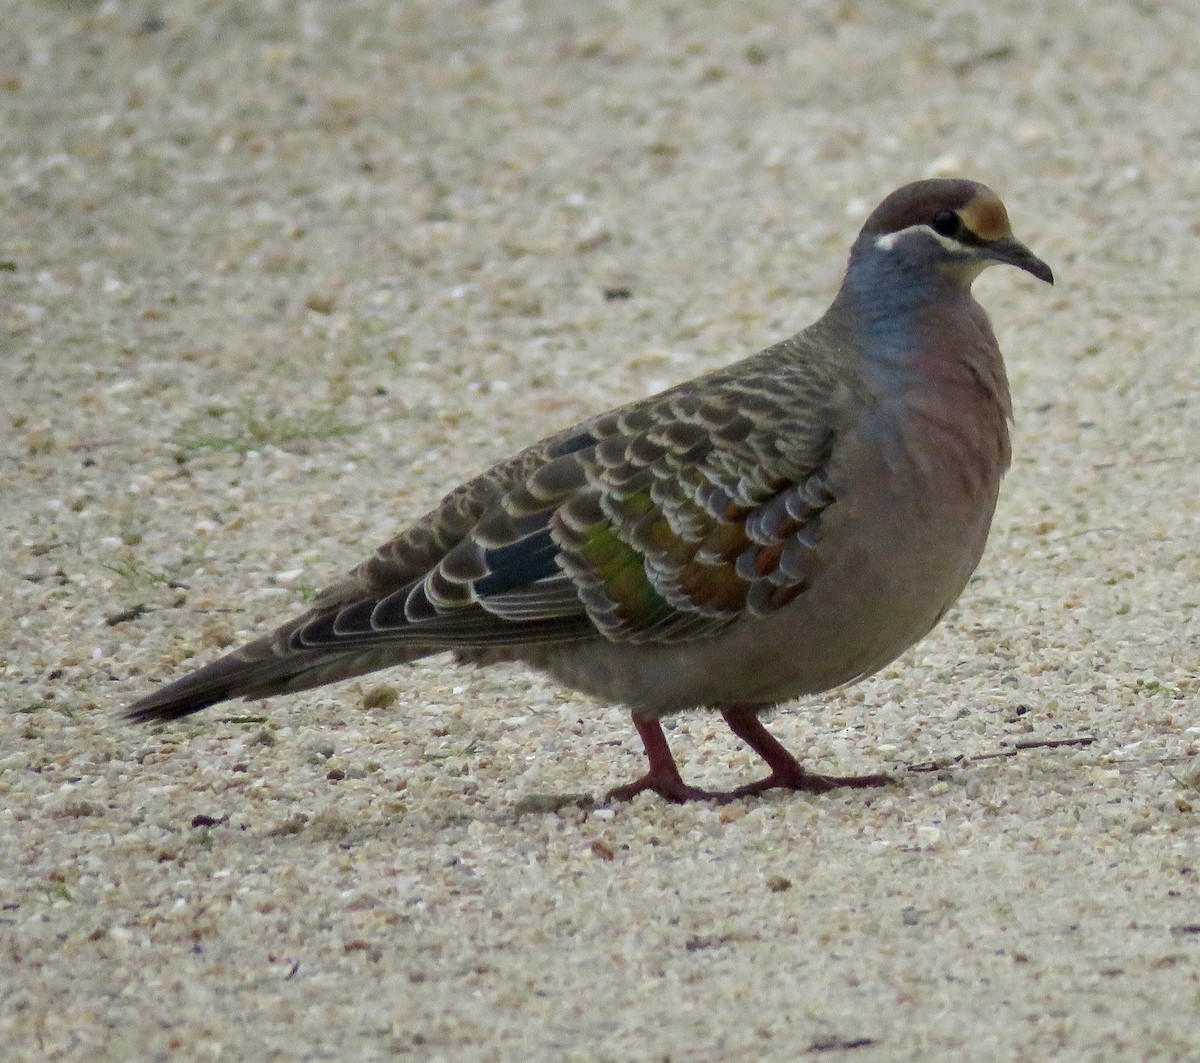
(786,771)
(663,777)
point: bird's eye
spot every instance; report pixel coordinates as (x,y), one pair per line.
(946,223)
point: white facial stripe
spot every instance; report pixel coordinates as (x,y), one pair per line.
(888,240)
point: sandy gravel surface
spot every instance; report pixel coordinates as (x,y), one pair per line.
(274,275)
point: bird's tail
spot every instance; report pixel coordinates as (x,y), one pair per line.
(258,670)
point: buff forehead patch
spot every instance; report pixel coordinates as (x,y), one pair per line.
(986,217)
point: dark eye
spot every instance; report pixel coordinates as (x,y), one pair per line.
(946,223)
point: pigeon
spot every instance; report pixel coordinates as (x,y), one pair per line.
(780,527)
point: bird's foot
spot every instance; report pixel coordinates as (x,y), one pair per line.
(807,781)
(663,778)
(669,787)
(673,788)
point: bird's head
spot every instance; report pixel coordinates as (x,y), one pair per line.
(954,227)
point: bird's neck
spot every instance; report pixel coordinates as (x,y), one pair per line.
(919,329)
(930,356)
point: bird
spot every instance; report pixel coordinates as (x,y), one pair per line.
(783,526)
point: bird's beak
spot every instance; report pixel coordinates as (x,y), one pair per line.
(1010,250)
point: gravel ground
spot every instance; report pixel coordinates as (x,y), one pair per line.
(275,275)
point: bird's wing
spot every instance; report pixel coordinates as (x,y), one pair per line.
(663,521)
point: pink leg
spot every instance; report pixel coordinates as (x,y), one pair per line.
(663,777)
(786,771)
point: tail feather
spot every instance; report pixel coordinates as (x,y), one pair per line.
(256,671)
